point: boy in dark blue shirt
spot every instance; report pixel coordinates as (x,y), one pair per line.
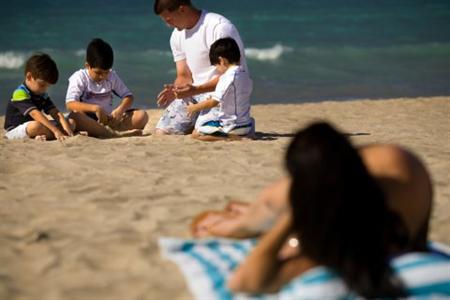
(24,118)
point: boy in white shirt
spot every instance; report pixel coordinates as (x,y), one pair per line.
(226,113)
(90,94)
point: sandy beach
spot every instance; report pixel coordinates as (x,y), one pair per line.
(81,219)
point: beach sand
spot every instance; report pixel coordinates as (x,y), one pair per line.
(81,219)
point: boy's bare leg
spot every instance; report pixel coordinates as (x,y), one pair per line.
(95,129)
(136,119)
(39,132)
(72,124)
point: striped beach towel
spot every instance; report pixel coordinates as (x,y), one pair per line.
(207,265)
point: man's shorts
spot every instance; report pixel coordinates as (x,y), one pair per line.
(175,119)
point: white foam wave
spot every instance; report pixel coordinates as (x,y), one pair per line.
(267,54)
(80,52)
(11,60)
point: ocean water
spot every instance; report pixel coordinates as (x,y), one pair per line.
(297,50)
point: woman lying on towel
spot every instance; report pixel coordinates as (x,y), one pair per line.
(403,179)
(356,216)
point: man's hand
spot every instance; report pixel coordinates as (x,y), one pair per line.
(185,91)
(101,115)
(166,96)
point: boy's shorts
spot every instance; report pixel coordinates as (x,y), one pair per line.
(175,119)
(20,132)
(215,128)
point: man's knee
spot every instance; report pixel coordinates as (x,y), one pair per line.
(160,131)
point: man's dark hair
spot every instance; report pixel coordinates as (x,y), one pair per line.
(226,48)
(171,5)
(42,66)
(340,212)
(99,54)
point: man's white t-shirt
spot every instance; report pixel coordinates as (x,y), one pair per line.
(193,44)
(82,88)
(233,92)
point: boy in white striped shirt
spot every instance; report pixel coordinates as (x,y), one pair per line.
(90,97)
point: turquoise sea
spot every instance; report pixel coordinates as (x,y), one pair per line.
(298,50)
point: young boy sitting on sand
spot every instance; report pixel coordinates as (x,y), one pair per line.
(226,114)
(24,117)
(90,94)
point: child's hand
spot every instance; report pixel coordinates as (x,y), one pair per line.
(117,114)
(191,109)
(115,118)
(59,135)
(101,116)
(67,128)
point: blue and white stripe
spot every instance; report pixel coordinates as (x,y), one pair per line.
(207,265)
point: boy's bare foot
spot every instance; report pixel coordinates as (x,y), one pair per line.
(83,133)
(132,132)
(41,138)
(127,133)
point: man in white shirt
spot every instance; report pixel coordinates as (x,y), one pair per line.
(195,31)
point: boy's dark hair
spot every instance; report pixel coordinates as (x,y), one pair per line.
(340,212)
(171,5)
(99,54)
(42,66)
(226,48)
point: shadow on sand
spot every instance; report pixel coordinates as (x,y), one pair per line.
(272,136)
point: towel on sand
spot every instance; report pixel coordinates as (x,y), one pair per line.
(207,264)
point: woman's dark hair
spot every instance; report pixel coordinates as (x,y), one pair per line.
(339,211)
(226,48)
(170,5)
(42,66)
(99,54)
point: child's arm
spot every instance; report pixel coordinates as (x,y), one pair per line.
(190,90)
(102,116)
(59,117)
(123,106)
(39,117)
(207,104)
(120,89)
